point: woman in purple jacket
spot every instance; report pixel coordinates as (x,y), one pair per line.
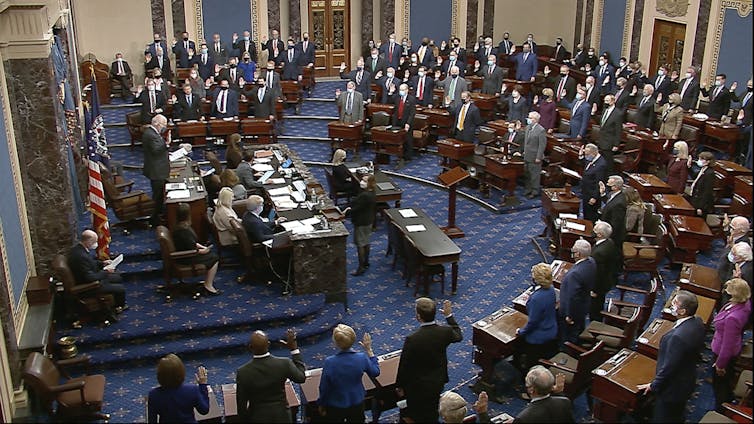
(726,343)
(174,401)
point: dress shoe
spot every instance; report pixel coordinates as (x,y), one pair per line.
(358,272)
(212,293)
(121,309)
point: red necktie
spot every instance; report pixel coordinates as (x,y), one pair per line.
(400,108)
(421,88)
(391,51)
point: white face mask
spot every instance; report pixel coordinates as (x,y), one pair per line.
(731,257)
(688,75)
(258,210)
(718,83)
(350,90)
(363,184)
(588,86)
(510,130)
(602,63)
(578,96)
(701,163)
(421,73)
(622,64)
(660,72)
(94,246)
(389,74)
(403,93)
(374,56)
(674,310)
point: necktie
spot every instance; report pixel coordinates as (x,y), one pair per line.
(576,106)
(151,101)
(462,116)
(290,55)
(421,88)
(275,48)
(389,81)
(716,92)
(217,47)
(667,111)
(349,103)
(560,88)
(269,79)
(223,96)
(120,68)
(233,75)
(487,50)
(452,93)
(422,50)
(746,99)
(526,56)
(489,69)
(685,86)
(358,78)
(306,44)
(391,51)
(400,108)
(374,64)
(185,45)
(246,48)
(606,114)
(604,69)
(617,95)
(204,59)
(643,101)
(659,80)
(159,61)
(260,94)
(188,99)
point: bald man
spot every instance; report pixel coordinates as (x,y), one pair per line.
(260,383)
(156,162)
(86,269)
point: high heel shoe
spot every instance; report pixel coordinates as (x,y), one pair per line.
(212,293)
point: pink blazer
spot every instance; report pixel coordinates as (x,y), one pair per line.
(729,325)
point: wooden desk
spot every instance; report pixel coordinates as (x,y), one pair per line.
(388,142)
(494,337)
(559,270)
(439,121)
(188,173)
(648,185)
(345,136)
(742,196)
(373,108)
(705,310)
(673,204)
(701,280)
(502,172)
(648,343)
(433,245)
(688,235)
(231,403)
(390,193)
(615,384)
(453,149)
(259,130)
(728,172)
(380,390)
(721,137)
(486,104)
(194,132)
(564,151)
(554,202)
(566,235)
(520,301)
(222,127)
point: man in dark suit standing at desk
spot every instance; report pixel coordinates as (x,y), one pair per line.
(206,62)
(218,50)
(86,269)
(493,76)
(307,50)
(423,84)
(423,368)
(719,98)
(466,118)
(224,101)
(526,63)
(608,259)
(611,126)
(533,150)
(188,106)
(260,383)
(645,109)
(361,77)
(392,52)
(579,115)
(274,46)
(156,163)
(181,50)
(614,210)
(564,86)
(152,102)
(675,376)
(261,100)
(575,292)
(689,90)
(290,60)
(245,44)
(595,170)
(403,118)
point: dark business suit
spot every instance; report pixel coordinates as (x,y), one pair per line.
(580,115)
(608,259)
(206,65)
(277,90)
(594,172)
(291,67)
(610,133)
(233,75)
(231,104)
(560,53)
(505,47)
(719,101)
(575,298)
(125,79)
(263,108)
(394,59)
(156,168)
(270,47)
(257,229)
(560,83)
(483,53)
(307,54)
(525,68)
(552,409)
(623,98)
(246,46)
(167,73)
(702,196)
(219,52)
(661,85)
(605,78)
(493,80)
(470,123)
(87,269)
(675,375)
(185,110)
(645,112)
(374,66)
(149,105)
(425,97)
(429,57)
(690,96)
(423,368)
(385,83)
(260,388)
(363,82)
(614,213)
(447,64)
(406,118)
(181,52)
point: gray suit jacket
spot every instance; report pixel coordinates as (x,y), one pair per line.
(492,83)
(246,175)
(461,86)
(357,109)
(260,388)
(156,162)
(535,142)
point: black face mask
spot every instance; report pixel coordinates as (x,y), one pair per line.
(424,43)
(307,39)
(233,65)
(157,41)
(223,88)
(749,89)
(454,75)
(505,38)
(185,38)
(557,43)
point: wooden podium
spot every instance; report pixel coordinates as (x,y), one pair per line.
(450,179)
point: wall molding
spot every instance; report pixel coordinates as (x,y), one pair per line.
(627,29)
(743,8)
(254,19)
(454,18)
(199,20)
(599,7)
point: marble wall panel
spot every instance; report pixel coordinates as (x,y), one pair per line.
(700,39)
(179,18)
(589,19)
(388,19)
(472,7)
(294,20)
(158,19)
(273,14)
(367,16)
(579,21)
(636,30)
(9,330)
(489,18)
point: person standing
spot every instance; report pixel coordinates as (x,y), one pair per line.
(607,257)
(341,392)
(675,375)
(678,167)
(611,127)
(174,401)
(156,163)
(541,330)
(466,118)
(260,383)
(614,210)
(574,292)
(362,216)
(595,169)
(423,368)
(533,148)
(350,104)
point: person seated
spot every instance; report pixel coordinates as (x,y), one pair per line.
(452,408)
(245,172)
(120,71)
(342,179)
(224,101)
(257,229)
(184,239)
(233,153)
(173,400)
(188,106)
(86,269)
(543,407)
(228,178)
(224,213)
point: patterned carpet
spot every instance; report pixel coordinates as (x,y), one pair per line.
(497,255)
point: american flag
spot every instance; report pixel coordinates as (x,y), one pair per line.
(97,152)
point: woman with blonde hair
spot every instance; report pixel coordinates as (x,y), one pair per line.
(727,340)
(671,118)
(540,334)
(547,111)
(678,167)
(173,401)
(342,179)
(224,213)
(634,211)
(341,392)
(228,178)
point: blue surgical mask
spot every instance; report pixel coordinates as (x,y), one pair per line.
(529,121)
(700,163)
(403,93)
(675,152)
(589,158)
(578,96)
(731,257)
(490,63)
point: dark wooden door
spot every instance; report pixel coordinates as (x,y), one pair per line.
(667,46)
(330,31)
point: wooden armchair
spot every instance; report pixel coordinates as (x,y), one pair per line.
(83,302)
(254,258)
(129,206)
(334,194)
(420,132)
(640,257)
(627,160)
(293,94)
(135,127)
(627,309)
(616,337)
(738,413)
(577,364)
(173,269)
(77,399)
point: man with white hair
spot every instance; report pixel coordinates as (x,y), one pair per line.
(740,261)
(453,408)
(156,162)
(739,232)
(575,290)
(608,259)
(533,149)
(543,407)
(86,269)
(614,210)
(255,227)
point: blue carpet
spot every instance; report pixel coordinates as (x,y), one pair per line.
(497,255)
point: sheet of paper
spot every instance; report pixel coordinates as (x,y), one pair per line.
(208,172)
(263,154)
(229,399)
(178,154)
(290,225)
(353,170)
(568,216)
(276,181)
(310,221)
(385,186)
(262,167)
(408,213)
(415,228)
(262,160)
(299,185)
(575,226)
(175,186)
(114,264)
(298,196)
(179,194)
(267,243)
(280,191)
(303,229)
(570,172)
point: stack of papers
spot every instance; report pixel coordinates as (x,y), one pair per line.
(280,191)
(178,154)
(114,264)
(276,181)
(575,226)
(262,167)
(386,186)
(179,194)
(283,202)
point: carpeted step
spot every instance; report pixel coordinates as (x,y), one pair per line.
(214,339)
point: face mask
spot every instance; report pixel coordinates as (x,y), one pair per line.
(270,69)
(591,53)
(307,39)
(700,162)
(413,60)
(157,41)
(403,93)
(350,90)
(246,39)
(718,83)
(529,121)
(530,39)
(748,89)
(246,59)
(194,75)
(688,75)
(557,43)
(405,44)
(290,46)
(660,72)
(363,184)
(93,246)
(506,37)
(421,73)
(359,68)
(489,63)
(674,310)
(204,51)
(515,94)
(454,75)
(456,44)
(589,158)
(120,59)
(233,65)
(675,152)
(424,43)
(452,58)
(465,101)
(588,86)
(511,130)
(602,63)
(564,73)
(151,88)
(622,64)
(223,88)
(185,38)
(374,56)
(392,40)
(258,210)
(389,74)
(578,96)
(731,257)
